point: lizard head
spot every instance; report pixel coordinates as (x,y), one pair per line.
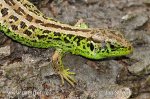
(108,43)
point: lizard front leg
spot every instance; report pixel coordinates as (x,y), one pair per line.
(60,69)
(57,60)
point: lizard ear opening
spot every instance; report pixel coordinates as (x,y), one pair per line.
(91,46)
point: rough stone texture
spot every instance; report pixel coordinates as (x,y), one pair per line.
(27,73)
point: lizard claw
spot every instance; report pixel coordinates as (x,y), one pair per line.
(66,74)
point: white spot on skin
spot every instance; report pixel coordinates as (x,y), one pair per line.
(11,21)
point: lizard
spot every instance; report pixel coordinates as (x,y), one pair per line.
(23,22)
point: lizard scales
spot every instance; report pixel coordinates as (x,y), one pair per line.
(24,23)
(21,21)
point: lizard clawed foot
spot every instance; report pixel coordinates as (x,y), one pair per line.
(58,67)
(66,74)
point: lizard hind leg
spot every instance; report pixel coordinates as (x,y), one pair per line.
(81,24)
(59,68)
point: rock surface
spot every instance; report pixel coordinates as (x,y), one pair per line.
(27,73)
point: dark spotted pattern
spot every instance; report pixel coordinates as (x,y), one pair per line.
(27,5)
(77,39)
(66,40)
(46,31)
(29,17)
(27,32)
(10,2)
(20,11)
(47,18)
(32,27)
(42,36)
(57,34)
(38,21)
(37,12)
(22,25)
(13,17)
(4,12)
(14,27)
(58,26)
(61,27)
(33,9)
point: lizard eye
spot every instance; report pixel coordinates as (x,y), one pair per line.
(113,48)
